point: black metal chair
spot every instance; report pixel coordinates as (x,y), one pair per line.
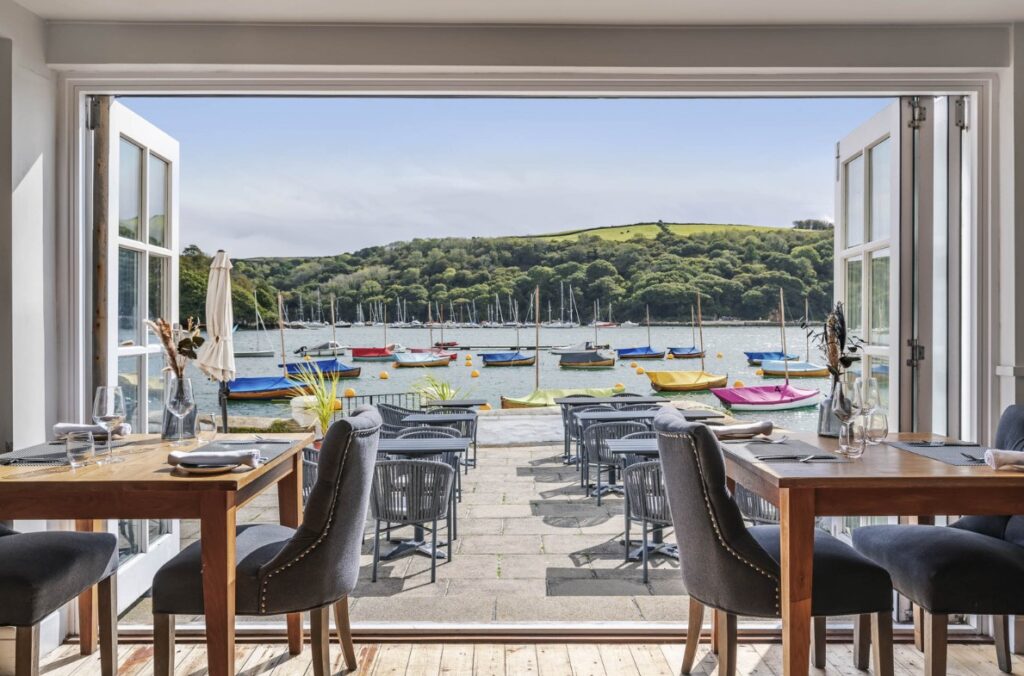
(646,503)
(466,428)
(973,567)
(632,458)
(569,425)
(283,570)
(597,455)
(735,569)
(448,457)
(393,419)
(411,493)
(40,572)
(576,434)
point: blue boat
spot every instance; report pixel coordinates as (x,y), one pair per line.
(646,352)
(266,387)
(331,368)
(508,359)
(692,352)
(755,358)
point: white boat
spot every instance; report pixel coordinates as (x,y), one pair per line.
(585,346)
(331,348)
(628,324)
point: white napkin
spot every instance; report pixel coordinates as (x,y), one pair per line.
(997,459)
(61,430)
(742,430)
(248,456)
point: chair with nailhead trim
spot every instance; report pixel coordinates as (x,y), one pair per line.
(735,570)
(282,570)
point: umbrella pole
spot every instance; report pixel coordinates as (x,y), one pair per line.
(222,397)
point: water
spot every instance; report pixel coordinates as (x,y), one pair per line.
(729,342)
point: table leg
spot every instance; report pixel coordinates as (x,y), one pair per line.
(796,508)
(289,507)
(217,531)
(88,601)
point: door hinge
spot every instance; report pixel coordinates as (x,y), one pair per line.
(92,113)
(960,112)
(917,113)
(916,352)
(837,161)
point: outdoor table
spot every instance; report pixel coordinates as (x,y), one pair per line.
(439,419)
(631,399)
(886,481)
(145,487)
(649,449)
(455,403)
(417,448)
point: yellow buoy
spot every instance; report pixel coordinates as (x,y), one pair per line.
(670,356)
(337,404)
(349,392)
(619,387)
(719,355)
(759,372)
(632,364)
(485,407)
(738,383)
(474,374)
(639,370)
(384,375)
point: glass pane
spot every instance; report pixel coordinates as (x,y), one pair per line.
(855,201)
(158,267)
(879,298)
(129,539)
(129,376)
(157,201)
(155,391)
(158,527)
(128,323)
(854,276)
(880,372)
(880,198)
(129,190)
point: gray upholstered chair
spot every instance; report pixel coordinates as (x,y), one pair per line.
(645,502)
(973,567)
(411,493)
(40,572)
(597,456)
(735,570)
(282,570)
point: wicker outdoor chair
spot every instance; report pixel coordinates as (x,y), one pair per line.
(596,452)
(645,502)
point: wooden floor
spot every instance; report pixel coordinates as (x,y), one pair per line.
(513,659)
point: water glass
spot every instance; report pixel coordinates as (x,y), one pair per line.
(80,447)
(876,428)
(108,411)
(206,428)
(853,438)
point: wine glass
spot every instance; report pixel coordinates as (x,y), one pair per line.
(876,428)
(842,409)
(178,399)
(108,411)
(206,428)
(872,399)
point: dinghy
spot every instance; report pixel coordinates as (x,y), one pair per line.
(795,369)
(331,368)
(684,381)
(756,358)
(434,351)
(421,360)
(329,349)
(691,352)
(769,397)
(507,359)
(587,360)
(281,387)
(372,354)
(645,352)
(540,398)
(585,346)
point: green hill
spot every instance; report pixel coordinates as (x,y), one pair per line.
(622,233)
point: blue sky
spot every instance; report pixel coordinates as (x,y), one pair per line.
(309,176)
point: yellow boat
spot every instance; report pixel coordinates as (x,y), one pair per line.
(539,398)
(685,381)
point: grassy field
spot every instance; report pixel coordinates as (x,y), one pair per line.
(621,233)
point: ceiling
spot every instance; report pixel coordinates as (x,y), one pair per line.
(612,12)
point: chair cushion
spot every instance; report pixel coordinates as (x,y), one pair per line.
(4,530)
(845,582)
(178,585)
(40,572)
(948,570)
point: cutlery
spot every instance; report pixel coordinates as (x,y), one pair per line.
(973,458)
(757,440)
(941,444)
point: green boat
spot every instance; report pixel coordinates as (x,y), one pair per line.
(540,398)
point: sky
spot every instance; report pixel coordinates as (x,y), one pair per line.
(317,176)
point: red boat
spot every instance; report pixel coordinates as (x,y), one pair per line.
(447,343)
(372,354)
(434,350)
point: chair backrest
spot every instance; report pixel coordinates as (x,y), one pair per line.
(625,394)
(722,565)
(411,491)
(755,508)
(427,432)
(1010,437)
(394,415)
(596,434)
(633,458)
(645,491)
(320,564)
(638,407)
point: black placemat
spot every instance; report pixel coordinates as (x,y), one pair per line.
(950,455)
(782,452)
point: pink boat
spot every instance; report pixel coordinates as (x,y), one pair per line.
(435,350)
(766,397)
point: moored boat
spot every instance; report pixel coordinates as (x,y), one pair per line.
(281,387)
(421,360)
(328,349)
(766,397)
(756,358)
(372,354)
(587,360)
(691,352)
(684,381)
(540,398)
(331,368)
(508,359)
(585,346)
(435,351)
(646,352)
(794,369)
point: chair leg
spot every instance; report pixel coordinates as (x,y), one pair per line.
(819,626)
(450,537)
(726,643)
(935,627)
(917,612)
(643,552)
(433,552)
(26,651)
(376,550)
(163,644)
(625,513)
(320,638)
(108,625)
(694,623)
(861,641)
(881,643)
(1001,636)
(599,484)
(348,649)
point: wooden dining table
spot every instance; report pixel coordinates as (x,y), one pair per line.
(885,481)
(144,486)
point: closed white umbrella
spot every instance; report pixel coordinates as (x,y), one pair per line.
(217,356)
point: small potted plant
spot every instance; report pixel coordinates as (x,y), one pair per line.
(840,352)
(316,400)
(179,344)
(435,389)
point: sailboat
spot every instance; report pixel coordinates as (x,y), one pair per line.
(692,351)
(796,369)
(645,352)
(261,328)
(688,381)
(769,397)
(386,353)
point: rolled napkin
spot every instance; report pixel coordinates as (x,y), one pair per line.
(61,430)
(742,430)
(997,459)
(248,456)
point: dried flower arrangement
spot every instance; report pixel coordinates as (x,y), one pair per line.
(837,346)
(179,343)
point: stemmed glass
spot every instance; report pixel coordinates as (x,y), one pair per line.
(876,424)
(206,428)
(178,399)
(108,411)
(842,409)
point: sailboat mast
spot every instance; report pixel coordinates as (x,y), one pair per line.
(536,342)
(782,330)
(384,309)
(256,307)
(561,302)
(430,325)
(693,327)
(700,328)
(595,323)
(807,323)
(647,310)
(334,330)
(280,327)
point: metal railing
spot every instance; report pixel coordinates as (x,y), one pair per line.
(411,400)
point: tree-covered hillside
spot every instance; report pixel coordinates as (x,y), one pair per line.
(737,270)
